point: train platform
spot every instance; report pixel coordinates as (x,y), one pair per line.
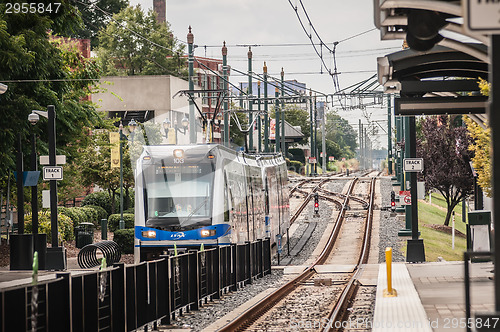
(431,296)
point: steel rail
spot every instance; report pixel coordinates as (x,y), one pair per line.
(259,309)
(354,198)
(339,310)
(309,196)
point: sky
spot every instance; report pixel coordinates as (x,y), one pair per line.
(275,32)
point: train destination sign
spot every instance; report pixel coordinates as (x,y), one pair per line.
(413,164)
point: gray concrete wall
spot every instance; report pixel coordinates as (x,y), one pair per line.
(141,93)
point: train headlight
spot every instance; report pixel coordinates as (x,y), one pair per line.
(207,232)
(178,153)
(149,234)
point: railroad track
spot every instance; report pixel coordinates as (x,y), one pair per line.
(271,313)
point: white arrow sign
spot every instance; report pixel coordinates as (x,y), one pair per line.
(52,173)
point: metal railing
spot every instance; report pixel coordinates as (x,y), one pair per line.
(126,298)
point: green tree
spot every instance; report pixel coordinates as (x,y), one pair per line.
(481,146)
(95,160)
(134,43)
(445,150)
(95,16)
(95,165)
(340,137)
(40,72)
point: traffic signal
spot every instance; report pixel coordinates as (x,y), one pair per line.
(393,200)
(423,29)
(316,203)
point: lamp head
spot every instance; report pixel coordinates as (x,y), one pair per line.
(166,124)
(185,122)
(132,125)
(33,118)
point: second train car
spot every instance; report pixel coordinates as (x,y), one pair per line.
(194,194)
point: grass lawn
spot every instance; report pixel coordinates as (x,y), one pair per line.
(437,243)
(438,199)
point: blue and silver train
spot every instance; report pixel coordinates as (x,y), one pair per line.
(207,194)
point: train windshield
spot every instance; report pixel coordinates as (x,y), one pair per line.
(178,197)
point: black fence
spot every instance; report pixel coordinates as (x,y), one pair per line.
(125,298)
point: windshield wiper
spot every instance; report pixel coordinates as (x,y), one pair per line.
(194,211)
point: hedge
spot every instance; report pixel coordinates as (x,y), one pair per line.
(125,240)
(100,198)
(65,226)
(101,212)
(114,221)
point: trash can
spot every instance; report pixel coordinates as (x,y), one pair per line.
(84,234)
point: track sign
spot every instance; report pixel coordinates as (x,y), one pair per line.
(482,16)
(52,173)
(413,164)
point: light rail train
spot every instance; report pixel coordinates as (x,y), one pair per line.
(207,194)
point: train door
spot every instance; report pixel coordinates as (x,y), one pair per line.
(229,216)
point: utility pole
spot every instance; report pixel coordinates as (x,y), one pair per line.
(250,101)
(277,144)
(226,95)
(266,117)
(315,136)
(259,121)
(283,146)
(192,119)
(311,129)
(323,138)
(360,130)
(389,134)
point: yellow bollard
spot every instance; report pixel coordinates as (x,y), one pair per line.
(389,292)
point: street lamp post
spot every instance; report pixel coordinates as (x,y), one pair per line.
(33,119)
(39,240)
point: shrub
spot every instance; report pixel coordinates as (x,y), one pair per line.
(64,225)
(130,210)
(297,154)
(101,213)
(100,198)
(91,214)
(294,165)
(114,221)
(125,240)
(75,214)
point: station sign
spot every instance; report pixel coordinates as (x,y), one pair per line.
(405,197)
(482,16)
(413,164)
(52,173)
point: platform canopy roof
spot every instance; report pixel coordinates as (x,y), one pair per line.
(449,71)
